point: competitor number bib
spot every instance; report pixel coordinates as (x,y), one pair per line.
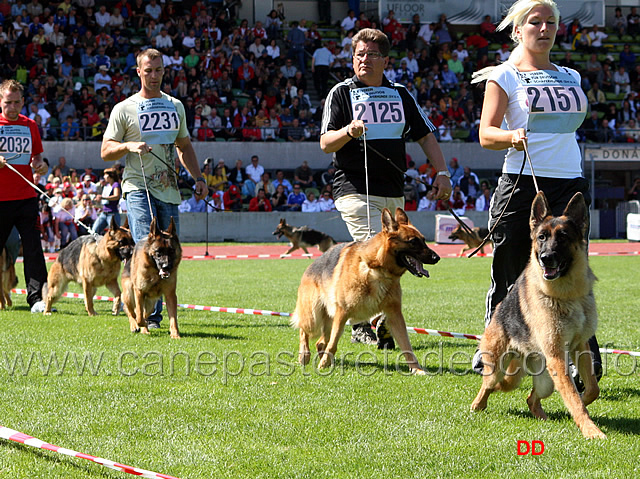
(556,101)
(380,108)
(159,121)
(16,140)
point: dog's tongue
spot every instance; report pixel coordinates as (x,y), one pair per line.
(164,274)
(550,273)
(418,267)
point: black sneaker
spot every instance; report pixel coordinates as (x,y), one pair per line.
(476,363)
(573,371)
(385,340)
(362,333)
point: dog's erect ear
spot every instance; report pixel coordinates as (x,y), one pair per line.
(113,226)
(171,230)
(282,221)
(389,225)
(577,211)
(401,217)
(539,210)
(153,228)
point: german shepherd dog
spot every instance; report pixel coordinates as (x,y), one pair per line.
(92,262)
(152,273)
(357,281)
(303,237)
(472,241)
(8,279)
(546,318)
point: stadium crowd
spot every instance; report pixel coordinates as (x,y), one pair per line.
(251,82)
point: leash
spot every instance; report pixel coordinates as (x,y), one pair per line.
(366,180)
(526,158)
(32,184)
(146,186)
(418,180)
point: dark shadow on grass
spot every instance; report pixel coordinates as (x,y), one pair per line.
(618,394)
(468,347)
(80,464)
(621,424)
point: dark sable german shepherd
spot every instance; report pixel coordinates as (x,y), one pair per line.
(472,241)
(92,262)
(152,273)
(356,281)
(303,237)
(546,318)
(8,279)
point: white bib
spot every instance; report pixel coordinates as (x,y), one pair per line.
(16,140)
(381,110)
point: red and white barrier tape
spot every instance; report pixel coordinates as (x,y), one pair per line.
(17,436)
(445,334)
(262,312)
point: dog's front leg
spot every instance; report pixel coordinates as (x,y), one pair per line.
(89,290)
(172,309)
(398,328)
(117,301)
(337,327)
(585,368)
(140,316)
(559,373)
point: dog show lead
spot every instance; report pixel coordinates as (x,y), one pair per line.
(150,129)
(543,105)
(386,111)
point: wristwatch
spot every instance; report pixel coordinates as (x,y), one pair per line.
(444,173)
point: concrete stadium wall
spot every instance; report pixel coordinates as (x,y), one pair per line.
(287,156)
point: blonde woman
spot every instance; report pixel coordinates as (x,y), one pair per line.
(530,99)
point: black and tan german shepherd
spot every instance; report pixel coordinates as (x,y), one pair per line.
(472,240)
(8,279)
(303,237)
(92,262)
(356,281)
(546,318)
(152,273)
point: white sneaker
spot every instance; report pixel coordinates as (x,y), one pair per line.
(38,307)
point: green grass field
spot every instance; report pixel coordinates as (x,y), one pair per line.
(229,400)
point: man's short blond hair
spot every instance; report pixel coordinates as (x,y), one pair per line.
(150,53)
(9,86)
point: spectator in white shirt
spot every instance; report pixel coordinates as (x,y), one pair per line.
(103,17)
(596,37)
(349,21)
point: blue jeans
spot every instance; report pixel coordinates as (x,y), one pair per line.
(103,222)
(140,223)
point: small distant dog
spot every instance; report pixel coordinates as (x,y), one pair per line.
(152,273)
(91,262)
(356,281)
(303,237)
(472,241)
(8,279)
(546,318)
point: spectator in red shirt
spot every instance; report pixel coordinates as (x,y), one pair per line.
(204,132)
(260,202)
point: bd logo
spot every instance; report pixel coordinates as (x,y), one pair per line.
(535,448)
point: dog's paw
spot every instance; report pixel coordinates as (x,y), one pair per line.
(591,431)
(92,313)
(418,372)
(47,313)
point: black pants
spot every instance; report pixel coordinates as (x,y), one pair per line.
(511,238)
(321,79)
(23,214)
